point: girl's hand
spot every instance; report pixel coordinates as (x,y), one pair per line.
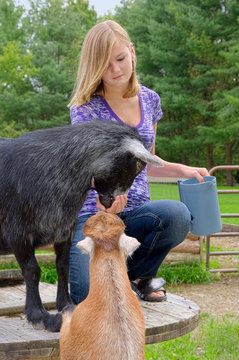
(198,173)
(117,206)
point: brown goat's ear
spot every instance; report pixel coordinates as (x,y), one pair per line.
(128,244)
(86,245)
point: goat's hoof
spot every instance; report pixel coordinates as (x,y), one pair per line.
(39,326)
(53,322)
(46,321)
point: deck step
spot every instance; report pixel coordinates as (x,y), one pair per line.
(10,276)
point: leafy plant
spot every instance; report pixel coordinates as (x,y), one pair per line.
(184,273)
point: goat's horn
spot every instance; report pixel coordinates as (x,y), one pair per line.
(138,150)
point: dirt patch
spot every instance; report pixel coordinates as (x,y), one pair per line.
(219,298)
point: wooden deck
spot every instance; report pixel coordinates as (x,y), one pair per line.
(18,340)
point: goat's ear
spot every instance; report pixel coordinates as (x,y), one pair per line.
(128,244)
(86,245)
(139,151)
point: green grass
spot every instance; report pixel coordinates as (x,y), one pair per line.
(48,271)
(217,248)
(181,273)
(185,273)
(213,340)
(228,203)
(159,191)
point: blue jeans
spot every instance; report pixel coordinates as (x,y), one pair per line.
(158,225)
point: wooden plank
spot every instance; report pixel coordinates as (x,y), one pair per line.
(175,258)
(12,298)
(11,275)
(187,246)
(170,319)
(164,321)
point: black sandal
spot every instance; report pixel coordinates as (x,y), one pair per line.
(146,286)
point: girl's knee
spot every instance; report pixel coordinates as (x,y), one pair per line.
(177,222)
(178,213)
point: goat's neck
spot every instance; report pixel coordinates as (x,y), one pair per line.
(109,280)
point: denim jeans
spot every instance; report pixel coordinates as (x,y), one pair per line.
(158,225)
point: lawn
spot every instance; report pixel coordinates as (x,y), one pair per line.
(228,203)
(212,340)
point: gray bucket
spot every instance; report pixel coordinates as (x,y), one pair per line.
(202,201)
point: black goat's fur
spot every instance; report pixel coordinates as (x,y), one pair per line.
(44,178)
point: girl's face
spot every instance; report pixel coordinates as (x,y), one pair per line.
(119,70)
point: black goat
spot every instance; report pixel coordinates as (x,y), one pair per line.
(44,178)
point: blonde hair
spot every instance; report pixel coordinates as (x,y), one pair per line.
(94,59)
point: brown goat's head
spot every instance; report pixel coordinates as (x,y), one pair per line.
(106,230)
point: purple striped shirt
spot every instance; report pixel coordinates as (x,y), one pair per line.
(151,112)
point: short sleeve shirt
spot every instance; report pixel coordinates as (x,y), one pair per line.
(151,112)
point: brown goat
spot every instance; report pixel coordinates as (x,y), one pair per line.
(109,323)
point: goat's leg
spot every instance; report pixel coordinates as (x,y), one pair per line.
(5,247)
(34,310)
(62,250)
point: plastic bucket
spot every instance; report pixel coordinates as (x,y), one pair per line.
(202,201)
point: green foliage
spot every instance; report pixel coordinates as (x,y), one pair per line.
(48,273)
(38,67)
(16,69)
(10,19)
(11,265)
(10,130)
(183,273)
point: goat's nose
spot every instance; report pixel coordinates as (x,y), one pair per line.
(106,200)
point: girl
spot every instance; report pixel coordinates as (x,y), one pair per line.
(107,88)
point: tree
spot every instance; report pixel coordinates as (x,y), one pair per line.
(16,69)
(39,62)
(10,22)
(56,32)
(226,87)
(178,45)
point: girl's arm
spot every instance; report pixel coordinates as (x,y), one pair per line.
(174,169)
